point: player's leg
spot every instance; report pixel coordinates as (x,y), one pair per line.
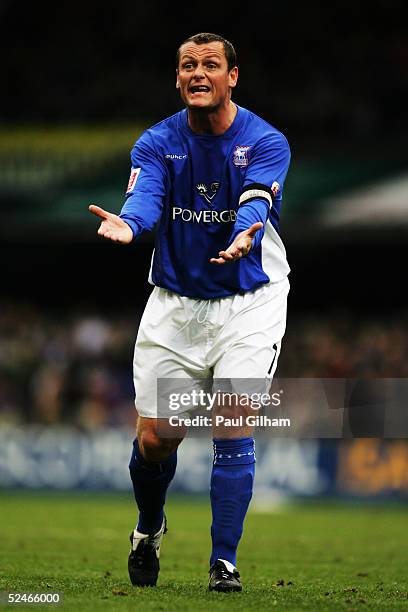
(232,480)
(248,351)
(152,467)
(162,351)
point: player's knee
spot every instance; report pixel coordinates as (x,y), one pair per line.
(154,448)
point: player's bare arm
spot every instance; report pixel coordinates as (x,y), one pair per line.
(112,226)
(239,248)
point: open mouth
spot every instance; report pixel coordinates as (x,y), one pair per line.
(199,89)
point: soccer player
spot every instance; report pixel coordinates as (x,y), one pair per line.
(210,179)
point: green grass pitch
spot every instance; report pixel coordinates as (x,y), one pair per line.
(326,556)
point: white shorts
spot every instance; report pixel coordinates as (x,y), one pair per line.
(236,337)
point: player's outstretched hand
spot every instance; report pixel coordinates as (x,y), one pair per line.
(112,226)
(240,247)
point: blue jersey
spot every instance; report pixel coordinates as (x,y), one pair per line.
(200,191)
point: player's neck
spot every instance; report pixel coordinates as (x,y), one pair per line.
(216,122)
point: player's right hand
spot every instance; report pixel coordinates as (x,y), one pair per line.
(112,227)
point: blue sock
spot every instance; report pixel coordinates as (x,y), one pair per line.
(232,481)
(150,483)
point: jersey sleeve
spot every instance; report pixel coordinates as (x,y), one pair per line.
(261,194)
(146,189)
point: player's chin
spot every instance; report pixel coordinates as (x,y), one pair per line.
(200,102)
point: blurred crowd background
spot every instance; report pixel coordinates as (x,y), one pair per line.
(83,81)
(77,368)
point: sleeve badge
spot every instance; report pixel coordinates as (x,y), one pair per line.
(132,179)
(275,188)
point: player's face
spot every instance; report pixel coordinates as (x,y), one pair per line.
(203,77)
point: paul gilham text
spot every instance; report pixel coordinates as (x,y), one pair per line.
(249,421)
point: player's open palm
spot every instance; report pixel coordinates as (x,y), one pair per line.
(112,226)
(240,247)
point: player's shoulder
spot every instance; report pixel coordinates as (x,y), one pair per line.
(159,133)
(263,131)
(155,137)
(165,126)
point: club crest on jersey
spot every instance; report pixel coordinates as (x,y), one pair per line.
(133,178)
(208,192)
(240,157)
(275,188)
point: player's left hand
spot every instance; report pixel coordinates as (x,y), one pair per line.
(240,247)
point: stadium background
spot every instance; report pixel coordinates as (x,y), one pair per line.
(83,80)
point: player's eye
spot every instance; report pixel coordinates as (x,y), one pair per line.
(187,66)
(211,66)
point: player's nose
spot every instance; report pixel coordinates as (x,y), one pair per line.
(199,72)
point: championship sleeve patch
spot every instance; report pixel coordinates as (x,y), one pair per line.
(132,179)
(254,191)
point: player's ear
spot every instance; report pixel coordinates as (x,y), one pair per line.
(177,79)
(233,76)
